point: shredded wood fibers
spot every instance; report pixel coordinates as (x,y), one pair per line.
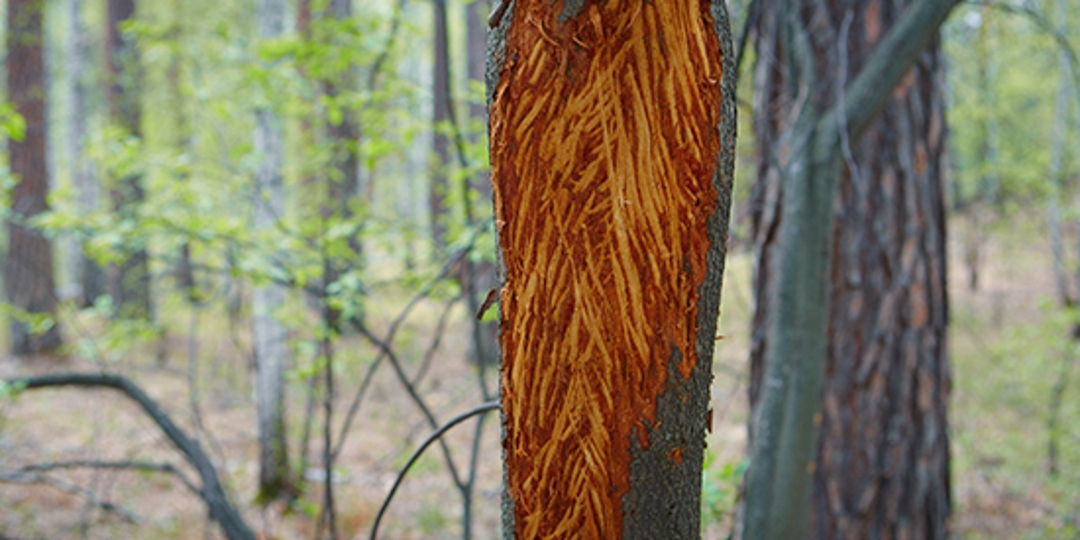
(604,146)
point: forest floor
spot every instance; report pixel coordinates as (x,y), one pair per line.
(1007,352)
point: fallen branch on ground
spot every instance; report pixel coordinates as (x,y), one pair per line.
(212,492)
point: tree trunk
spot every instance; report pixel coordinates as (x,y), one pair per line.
(482,276)
(129,281)
(987,197)
(185,274)
(881,383)
(270,336)
(28,265)
(1057,246)
(88,275)
(612,144)
(440,183)
(343,186)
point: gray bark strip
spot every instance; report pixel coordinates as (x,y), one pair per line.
(665,501)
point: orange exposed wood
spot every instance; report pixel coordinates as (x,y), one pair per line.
(604,148)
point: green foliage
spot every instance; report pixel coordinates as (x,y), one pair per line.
(11,390)
(12,124)
(1003,80)
(720,488)
(36,323)
(1004,382)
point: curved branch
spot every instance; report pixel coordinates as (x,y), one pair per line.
(116,465)
(479,410)
(68,487)
(1040,20)
(354,405)
(213,494)
(890,62)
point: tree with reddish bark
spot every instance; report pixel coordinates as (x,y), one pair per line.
(849,368)
(440,181)
(28,265)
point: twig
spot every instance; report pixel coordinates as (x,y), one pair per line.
(437,435)
(440,328)
(1040,20)
(354,406)
(115,465)
(384,55)
(213,494)
(63,485)
(419,401)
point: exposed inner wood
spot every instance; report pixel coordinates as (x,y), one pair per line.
(604,147)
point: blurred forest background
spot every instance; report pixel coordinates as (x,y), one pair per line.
(273,216)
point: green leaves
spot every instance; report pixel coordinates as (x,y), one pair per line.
(12,124)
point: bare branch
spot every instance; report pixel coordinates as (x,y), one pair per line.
(115,465)
(382,345)
(213,494)
(437,435)
(19,477)
(891,60)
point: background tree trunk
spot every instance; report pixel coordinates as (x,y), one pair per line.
(28,265)
(882,466)
(481,276)
(270,336)
(129,282)
(440,183)
(612,158)
(178,93)
(987,198)
(87,274)
(343,186)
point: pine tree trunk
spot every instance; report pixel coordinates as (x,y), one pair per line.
(129,281)
(882,465)
(440,182)
(612,144)
(28,264)
(270,336)
(482,275)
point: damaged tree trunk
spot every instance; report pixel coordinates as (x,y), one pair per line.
(612,131)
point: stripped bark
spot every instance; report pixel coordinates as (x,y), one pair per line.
(612,143)
(848,221)
(28,264)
